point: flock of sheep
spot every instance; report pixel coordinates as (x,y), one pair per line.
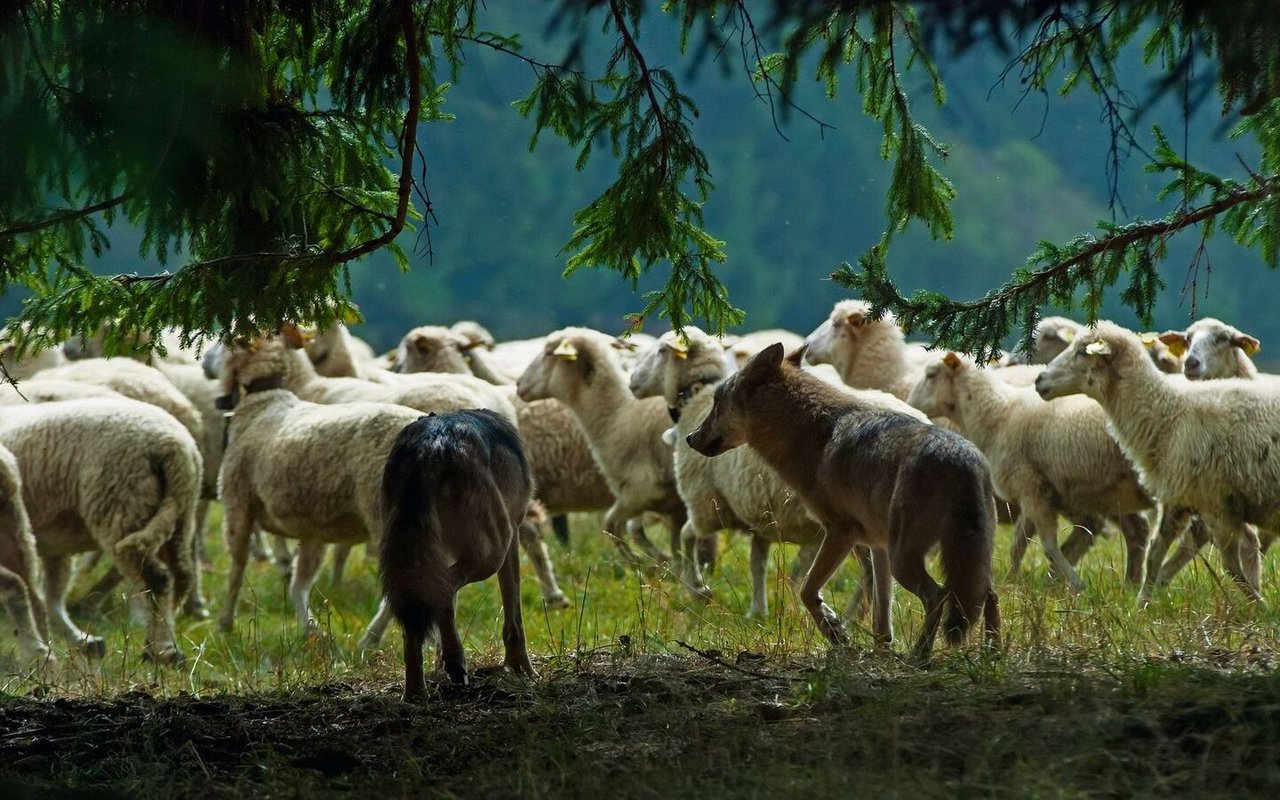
(1176,433)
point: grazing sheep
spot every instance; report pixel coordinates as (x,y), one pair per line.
(1049,458)
(299,470)
(454,489)
(1209,446)
(579,367)
(870,476)
(18,565)
(115,475)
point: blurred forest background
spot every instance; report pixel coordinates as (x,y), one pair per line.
(792,201)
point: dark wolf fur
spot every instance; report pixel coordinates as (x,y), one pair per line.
(871,476)
(454,489)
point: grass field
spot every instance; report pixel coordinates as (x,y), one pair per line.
(642,692)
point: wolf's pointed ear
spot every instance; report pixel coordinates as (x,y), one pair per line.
(764,364)
(796,357)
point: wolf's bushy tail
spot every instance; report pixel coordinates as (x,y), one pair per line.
(408,557)
(967,550)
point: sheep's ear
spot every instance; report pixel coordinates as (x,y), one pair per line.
(422,343)
(764,364)
(1247,343)
(1176,341)
(855,318)
(1098,348)
(293,336)
(1066,334)
(623,344)
(796,357)
(1148,339)
(952,361)
(566,350)
(679,346)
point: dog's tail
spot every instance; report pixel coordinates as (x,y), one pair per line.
(410,560)
(967,548)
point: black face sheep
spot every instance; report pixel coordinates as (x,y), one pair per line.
(454,490)
(870,476)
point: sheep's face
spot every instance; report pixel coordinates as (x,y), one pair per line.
(1085,367)
(431,348)
(565,364)
(935,394)
(678,362)
(1213,349)
(725,426)
(646,376)
(839,340)
(475,334)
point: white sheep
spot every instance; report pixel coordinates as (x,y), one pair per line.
(580,368)
(741,348)
(1051,336)
(868,353)
(31,361)
(299,470)
(148,385)
(18,565)
(1049,458)
(115,475)
(143,348)
(1211,349)
(1209,446)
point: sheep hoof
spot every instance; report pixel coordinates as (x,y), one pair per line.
(521,666)
(93,646)
(196,609)
(557,601)
(170,655)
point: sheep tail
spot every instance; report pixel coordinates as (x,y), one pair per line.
(409,557)
(967,550)
(173,523)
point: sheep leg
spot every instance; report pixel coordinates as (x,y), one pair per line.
(341,552)
(1172,521)
(188,577)
(881,578)
(150,572)
(708,551)
(281,555)
(516,653)
(98,593)
(1081,539)
(1023,530)
(832,552)
(1189,546)
(615,519)
(690,569)
(237,529)
(759,587)
(415,682)
(1241,554)
(530,535)
(1045,521)
(261,548)
(57,576)
(801,563)
(560,524)
(19,600)
(305,569)
(377,626)
(1137,534)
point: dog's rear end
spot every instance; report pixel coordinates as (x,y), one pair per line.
(453,491)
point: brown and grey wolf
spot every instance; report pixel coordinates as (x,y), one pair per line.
(870,476)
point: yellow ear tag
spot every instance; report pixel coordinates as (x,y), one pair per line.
(680,347)
(1250,347)
(566,350)
(1067,335)
(951,360)
(1098,348)
(1148,339)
